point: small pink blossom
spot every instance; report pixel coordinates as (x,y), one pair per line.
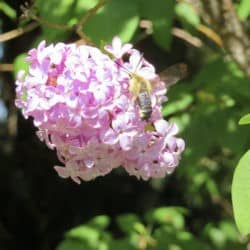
(117,49)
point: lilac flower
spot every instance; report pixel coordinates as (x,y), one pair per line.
(80,101)
(138,65)
(117,49)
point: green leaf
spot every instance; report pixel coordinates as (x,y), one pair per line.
(230,230)
(161,13)
(212,187)
(85,233)
(7,10)
(216,235)
(187,241)
(20,63)
(182,102)
(127,222)
(245,119)
(100,222)
(140,228)
(243,9)
(57,13)
(117,17)
(169,239)
(187,13)
(167,215)
(241,193)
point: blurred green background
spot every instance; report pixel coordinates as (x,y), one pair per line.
(190,209)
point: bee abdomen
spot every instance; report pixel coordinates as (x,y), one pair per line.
(145,105)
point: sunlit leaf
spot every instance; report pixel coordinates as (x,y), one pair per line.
(241,194)
(182,102)
(176,240)
(101,221)
(187,13)
(117,17)
(216,235)
(243,9)
(57,13)
(245,119)
(85,233)
(7,10)
(140,228)
(167,215)
(212,187)
(230,230)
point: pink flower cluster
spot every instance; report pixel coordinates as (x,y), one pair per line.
(80,102)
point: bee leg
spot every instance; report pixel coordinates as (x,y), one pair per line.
(134,88)
(148,85)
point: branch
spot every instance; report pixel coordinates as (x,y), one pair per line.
(90,13)
(18,32)
(5,67)
(184,35)
(236,38)
(223,203)
(177,32)
(210,34)
(227,30)
(40,20)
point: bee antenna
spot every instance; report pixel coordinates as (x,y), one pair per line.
(139,61)
(123,68)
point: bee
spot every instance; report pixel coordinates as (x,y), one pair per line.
(140,87)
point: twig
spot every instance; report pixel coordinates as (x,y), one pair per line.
(90,13)
(211,9)
(40,20)
(18,32)
(223,203)
(180,33)
(6,67)
(29,12)
(210,34)
(184,35)
(83,41)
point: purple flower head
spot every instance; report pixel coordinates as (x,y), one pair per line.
(80,101)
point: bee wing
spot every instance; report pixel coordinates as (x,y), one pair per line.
(173,74)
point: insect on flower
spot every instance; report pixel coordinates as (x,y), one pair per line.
(81,102)
(141,88)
